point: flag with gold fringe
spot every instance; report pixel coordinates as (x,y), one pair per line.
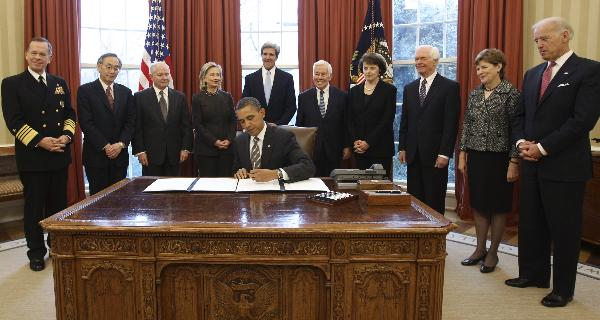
(372,39)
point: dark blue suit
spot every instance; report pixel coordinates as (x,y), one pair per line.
(32,112)
(552,188)
(101,126)
(331,131)
(428,131)
(282,103)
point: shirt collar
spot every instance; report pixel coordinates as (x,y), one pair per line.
(37,75)
(104,86)
(325,90)
(562,59)
(430,78)
(264,71)
(157,91)
(261,134)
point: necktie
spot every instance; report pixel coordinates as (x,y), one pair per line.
(41,80)
(255,154)
(546,77)
(322,103)
(163,105)
(423,91)
(268,86)
(111,100)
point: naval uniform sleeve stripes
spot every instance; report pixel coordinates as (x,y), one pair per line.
(26,134)
(69,126)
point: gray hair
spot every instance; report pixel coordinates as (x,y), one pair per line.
(271,45)
(434,52)
(156,64)
(204,71)
(559,24)
(108,55)
(323,63)
(248,102)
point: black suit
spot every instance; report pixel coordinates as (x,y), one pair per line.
(282,103)
(213,119)
(552,188)
(102,126)
(279,150)
(33,111)
(331,130)
(371,118)
(161,140)
(428,131)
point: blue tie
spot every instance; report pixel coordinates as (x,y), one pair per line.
(268,85)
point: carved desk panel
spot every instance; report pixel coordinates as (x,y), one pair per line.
(244,256)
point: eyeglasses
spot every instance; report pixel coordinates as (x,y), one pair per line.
(110,67)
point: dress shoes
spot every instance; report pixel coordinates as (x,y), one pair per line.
(472,262)
(524,283)
(485,269)
(37,264)
(553,300)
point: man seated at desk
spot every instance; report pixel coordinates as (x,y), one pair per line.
(266,153)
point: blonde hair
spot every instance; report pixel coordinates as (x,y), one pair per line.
(204,71)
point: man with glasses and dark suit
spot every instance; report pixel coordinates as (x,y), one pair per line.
(107,119)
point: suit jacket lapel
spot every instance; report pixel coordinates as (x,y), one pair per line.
(265,154)
(563,74)
(102,94)
(245,151)
(433,89)
(170,106)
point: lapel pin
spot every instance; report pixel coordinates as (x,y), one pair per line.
(563,84)
(566,72)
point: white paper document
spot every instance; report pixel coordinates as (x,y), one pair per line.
(170,184)
(311,184)
(216,184)
(249,185)
(232,185)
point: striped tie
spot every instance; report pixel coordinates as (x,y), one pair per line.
(322,103)
(423,91)
(255,154)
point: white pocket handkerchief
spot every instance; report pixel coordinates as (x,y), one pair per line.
(563,84)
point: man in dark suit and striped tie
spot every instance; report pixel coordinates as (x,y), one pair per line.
(264,152)
(324,107)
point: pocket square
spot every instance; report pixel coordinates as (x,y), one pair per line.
(563,85)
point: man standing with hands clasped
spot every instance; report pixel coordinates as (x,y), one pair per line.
(107,119)
(558,108)
(37,110)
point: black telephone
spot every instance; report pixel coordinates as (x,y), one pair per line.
(375,172)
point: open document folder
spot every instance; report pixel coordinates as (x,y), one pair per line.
(232,185)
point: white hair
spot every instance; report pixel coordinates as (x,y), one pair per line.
(434,52)
(323,63)
(559,24)
(156,64)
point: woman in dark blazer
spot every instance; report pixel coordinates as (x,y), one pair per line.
(487,156)
(370,117)
(214,124)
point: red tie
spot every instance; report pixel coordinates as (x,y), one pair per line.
(111,100)
(546,77)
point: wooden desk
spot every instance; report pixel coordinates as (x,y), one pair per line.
(124,254)
(590,228)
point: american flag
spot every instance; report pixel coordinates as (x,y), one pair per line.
(156,46)
(372,39)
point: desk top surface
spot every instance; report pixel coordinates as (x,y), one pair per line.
(124,207)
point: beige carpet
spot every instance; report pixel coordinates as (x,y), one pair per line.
(468,294)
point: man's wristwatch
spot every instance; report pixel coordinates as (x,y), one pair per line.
(279,174)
